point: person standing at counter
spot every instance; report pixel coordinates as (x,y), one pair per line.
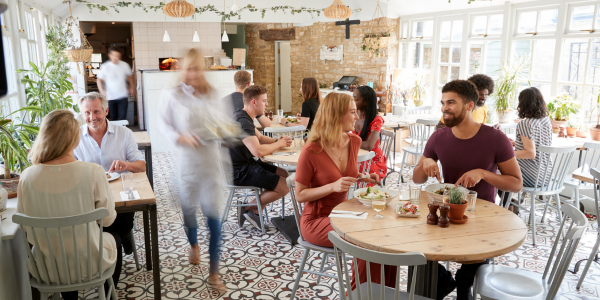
(312,97)
(242,80)
(113,80)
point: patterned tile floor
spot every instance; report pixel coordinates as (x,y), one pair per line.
(257,266)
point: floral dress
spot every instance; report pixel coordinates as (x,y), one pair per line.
(379,163)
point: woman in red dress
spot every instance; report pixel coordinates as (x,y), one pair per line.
(326,169)
(368,127)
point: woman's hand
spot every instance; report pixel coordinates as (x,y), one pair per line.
(372,178)
(343,184)
(186,140)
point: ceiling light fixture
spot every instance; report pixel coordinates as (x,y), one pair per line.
(234,7)
(196,38)
(166,37)
(338,10)
(225,38)
(179,9)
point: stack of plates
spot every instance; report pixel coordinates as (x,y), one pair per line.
(217,54)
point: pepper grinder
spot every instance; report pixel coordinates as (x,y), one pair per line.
(443,220)
(561,131)
(432,217)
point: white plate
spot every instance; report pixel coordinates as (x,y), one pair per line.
(113,176)
(436,186)
(393,194)
(398,205)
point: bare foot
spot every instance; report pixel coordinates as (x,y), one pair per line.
(194,254)
(215,281)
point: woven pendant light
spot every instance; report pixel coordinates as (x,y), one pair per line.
(338,10)
(178,9)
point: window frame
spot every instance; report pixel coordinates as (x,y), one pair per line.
(538,10)
(571,8)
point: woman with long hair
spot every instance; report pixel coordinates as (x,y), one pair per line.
(185,111)
(327,168)
(58,185)
(368,127)
(312,98)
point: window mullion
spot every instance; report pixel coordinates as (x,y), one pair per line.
(587,60)
(595,16)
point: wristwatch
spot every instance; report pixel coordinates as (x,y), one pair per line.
(287,122)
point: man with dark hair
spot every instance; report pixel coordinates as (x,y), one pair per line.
(242,80)
(113,80)
(249,171)
(485,87)
(470,154)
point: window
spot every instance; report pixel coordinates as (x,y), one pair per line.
(10,102)
(487,25)
(422,29)
(404,34)
(583,18)
(450,51)
(419,55)
(484,57)
(537,21)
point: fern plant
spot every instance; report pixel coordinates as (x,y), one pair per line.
(455,196)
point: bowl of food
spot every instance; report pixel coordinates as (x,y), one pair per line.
(366,195)
(292,120)
(436,190)
(407,210)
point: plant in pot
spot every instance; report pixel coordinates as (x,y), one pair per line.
(15,140)
(595,131)
(572,126)
(559,110)
(513,75)
(418,91)
(457,203)
(582,131)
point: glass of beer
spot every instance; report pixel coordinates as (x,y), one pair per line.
(378,206)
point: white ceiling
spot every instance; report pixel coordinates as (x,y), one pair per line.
(393,8)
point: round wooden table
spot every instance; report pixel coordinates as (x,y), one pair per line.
(490,231)
(291,160)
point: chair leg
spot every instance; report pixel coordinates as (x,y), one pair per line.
(576,203)
(323,260)
(113,293)
(300,272)
(260,211)
(56,296)
(135,255)
(282,207)
(558,212)
(227,207)
(404,154)
(43,295)
(532,217)
(545,208)
(101,292)
(589,262)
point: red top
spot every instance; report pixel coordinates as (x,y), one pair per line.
(379,163)
(316,169)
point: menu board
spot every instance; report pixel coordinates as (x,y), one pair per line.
(239,54)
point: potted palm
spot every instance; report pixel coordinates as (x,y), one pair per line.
(15,140)
(513,75)
(418,91)
(559,110)
(457,204)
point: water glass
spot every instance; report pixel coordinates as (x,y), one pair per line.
(415,192)
(298,143)
(471,200)
(403,192)
(280,113)
(127,182)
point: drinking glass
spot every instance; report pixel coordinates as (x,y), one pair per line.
(446,196)
(280,113)
(403,191)
(298,143)
(415,192)
(127,182)
(471,200)
(378,206)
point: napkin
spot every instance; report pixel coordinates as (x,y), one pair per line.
(282,153)
(125,196)
(340,214)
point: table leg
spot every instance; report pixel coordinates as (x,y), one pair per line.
(426,284)
(147,240)
(149,171)
(155,258)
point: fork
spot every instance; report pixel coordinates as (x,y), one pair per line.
(350,213)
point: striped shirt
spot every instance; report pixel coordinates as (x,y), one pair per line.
(540,132)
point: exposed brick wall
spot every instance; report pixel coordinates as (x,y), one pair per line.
(305,55)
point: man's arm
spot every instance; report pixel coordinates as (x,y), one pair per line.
(426,168)
(131,85)
(132,166)
(264,121)
(259,150)
(510,179)
(101,87)
(263,139)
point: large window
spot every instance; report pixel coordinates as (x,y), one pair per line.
(10,102)
(450,51)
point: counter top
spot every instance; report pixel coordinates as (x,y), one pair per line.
(207,70)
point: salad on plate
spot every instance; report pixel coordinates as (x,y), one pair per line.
(373,194)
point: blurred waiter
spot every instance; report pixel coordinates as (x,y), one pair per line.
(113,80)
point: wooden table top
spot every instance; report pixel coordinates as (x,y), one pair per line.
(140,184)
(292,160)
(142,138)
(490,231)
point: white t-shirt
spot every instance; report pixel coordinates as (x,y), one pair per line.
(115,79)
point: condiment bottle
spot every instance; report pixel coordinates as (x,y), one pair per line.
(432,217)
(443,220)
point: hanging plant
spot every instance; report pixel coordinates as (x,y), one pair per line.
(373,43)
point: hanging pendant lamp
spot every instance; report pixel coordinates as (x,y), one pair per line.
(225,38)
(179,9)
(166,37)
(338,10)
(234,7)
(196,38)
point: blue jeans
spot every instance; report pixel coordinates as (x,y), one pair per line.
(190,225)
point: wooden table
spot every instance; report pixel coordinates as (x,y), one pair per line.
(491,231)
(292,160)
(586,177)
(147,205)
(143,140)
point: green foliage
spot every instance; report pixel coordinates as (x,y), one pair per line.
(455,196)
(561,107)
(418,91)
(15,139)
(507,85)
(373,42)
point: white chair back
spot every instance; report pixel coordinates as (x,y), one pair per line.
(277,132)
(386,142)
(343,248)
(420,133)
(593,153)
(507,128)
(364,165)
(553,168)
(298,207)
(421,110)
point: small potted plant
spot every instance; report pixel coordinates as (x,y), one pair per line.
(559,109)
(418,90)
(572,127)
(582,131)
(457,204)
(507,87)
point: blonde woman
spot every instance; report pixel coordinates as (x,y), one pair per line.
(185,111)
(58,185)
(327,167)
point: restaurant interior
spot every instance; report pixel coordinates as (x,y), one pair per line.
(397,62)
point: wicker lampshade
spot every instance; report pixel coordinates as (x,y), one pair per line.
(338,10)
(178,9)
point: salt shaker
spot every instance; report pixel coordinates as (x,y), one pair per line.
(432,218)
(443,220)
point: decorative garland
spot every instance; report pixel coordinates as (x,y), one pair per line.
(201,9)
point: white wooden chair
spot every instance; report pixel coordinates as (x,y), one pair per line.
(420,110)
(364,164)
(51,231)
(596,175)
(386,142)
(593,154)
(277,132)
(419,134)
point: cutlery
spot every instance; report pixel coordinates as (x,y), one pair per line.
(349,213)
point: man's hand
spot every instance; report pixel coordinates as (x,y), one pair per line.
(373,178)
(131,91)
(431,168)
(119,166)
(343,184)
(470,179)
(190,141)
(282,121)
(285,141)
